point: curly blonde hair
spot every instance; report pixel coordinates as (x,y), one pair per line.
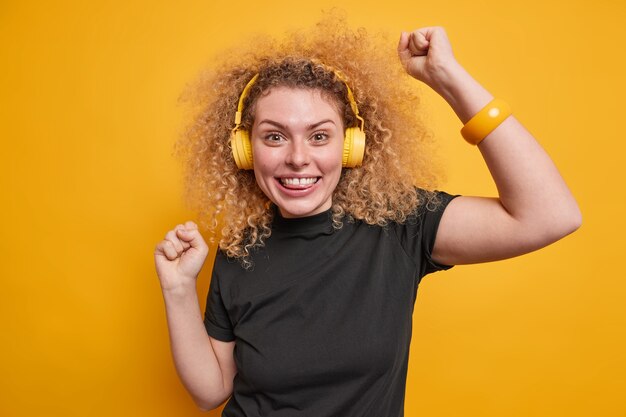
(398,151)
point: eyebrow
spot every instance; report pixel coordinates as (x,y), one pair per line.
(309,127)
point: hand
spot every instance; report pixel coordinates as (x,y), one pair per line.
(180,256)
(426,54)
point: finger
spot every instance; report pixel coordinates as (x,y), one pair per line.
(437,38)
(403,47)
(194,238)
(189,225)
(166,248)
(421,40)
(176,242)
(418,44)
(184,244)
(428,32)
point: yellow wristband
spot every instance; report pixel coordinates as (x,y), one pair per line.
(485,121)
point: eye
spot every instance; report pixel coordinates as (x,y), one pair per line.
(319,137)
(273,137)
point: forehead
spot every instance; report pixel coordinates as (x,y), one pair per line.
(301,103)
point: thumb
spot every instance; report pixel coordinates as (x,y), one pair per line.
(403,48)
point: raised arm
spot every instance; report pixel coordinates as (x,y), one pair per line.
(534,207)
(206,366)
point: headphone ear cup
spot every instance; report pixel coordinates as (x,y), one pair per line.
(242,148)
(353,148)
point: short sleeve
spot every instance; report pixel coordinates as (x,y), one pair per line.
(417,235)
(216,320)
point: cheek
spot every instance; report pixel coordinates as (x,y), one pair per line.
(263,161)
(262,173)
(265,169)
(333,159)
(263,181)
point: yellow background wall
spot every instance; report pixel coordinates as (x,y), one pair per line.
(88,116)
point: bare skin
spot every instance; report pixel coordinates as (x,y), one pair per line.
(297,134)
(205,365)
(534,208)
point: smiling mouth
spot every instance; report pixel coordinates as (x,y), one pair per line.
(298,183)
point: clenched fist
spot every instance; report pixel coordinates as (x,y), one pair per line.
(180,256)
(426,54)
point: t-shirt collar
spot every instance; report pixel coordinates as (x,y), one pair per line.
(321,222)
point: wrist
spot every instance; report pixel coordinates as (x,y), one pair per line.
(180,291)
(464,94)
(449,80)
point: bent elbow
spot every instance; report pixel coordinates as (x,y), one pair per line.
(572,220)
(577,221)
(553,227)
(566,222)
(205,407)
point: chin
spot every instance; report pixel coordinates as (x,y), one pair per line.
(298,210)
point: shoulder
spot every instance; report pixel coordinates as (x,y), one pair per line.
(419,229)
(430,204)
(433,200)
(225,265)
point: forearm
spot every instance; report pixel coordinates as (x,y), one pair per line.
(529,185)
(194,358)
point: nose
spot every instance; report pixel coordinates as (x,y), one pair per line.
(298,154)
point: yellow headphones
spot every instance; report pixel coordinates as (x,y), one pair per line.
(353,143)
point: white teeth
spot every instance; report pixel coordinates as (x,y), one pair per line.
(298,181)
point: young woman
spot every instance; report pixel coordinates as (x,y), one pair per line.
(324,243)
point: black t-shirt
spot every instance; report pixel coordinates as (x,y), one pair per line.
(323,321)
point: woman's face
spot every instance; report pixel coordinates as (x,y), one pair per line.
(297,145)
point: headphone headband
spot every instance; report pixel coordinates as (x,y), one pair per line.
(243,96)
